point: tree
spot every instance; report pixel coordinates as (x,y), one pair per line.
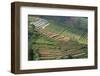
(70,57)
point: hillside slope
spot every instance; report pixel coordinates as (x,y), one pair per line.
(54,37)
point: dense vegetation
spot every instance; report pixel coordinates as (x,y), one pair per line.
(69,43)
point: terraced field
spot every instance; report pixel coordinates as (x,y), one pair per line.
(53,35)
(55,41)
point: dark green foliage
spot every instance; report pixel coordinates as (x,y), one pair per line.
(30,54)
(35,54)
(70,57)
(32,36)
